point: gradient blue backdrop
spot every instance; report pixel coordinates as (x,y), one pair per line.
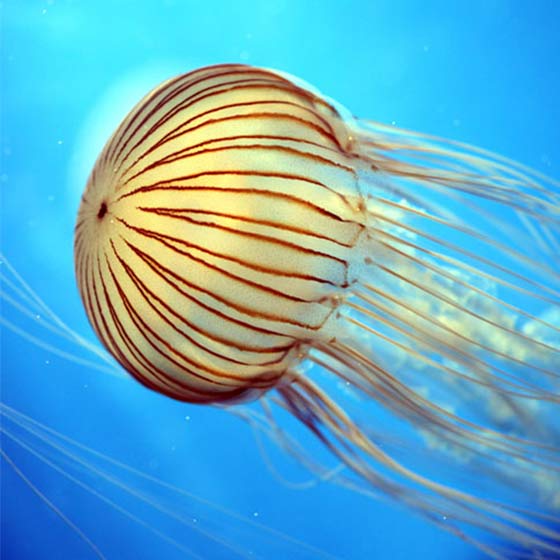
(485,72)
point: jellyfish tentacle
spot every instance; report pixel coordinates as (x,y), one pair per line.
(90,489)
(75,529)
(529,195)
(86,459)
(31,305)
(266,424)
(446,348)
(441,244)
(403,406)
(320,413)
(403,248)
(21,297)
(459,156)
(376,381)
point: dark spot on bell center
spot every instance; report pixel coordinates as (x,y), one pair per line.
(102,211)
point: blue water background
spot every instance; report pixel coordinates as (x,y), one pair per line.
(485,72)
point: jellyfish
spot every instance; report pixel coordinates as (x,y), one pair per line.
(244,238)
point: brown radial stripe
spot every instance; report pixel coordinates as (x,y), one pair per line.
(238,260)
(105,333)
(273,79)
(123,129)
(246,219)
(171,112)
(177,132)
(168,183)
(252,235)
(275,83)
(243,309)
(157,373)
(220,271)
(258,192)
(169,95)
(162,376)
(154,265)
(280,147)
(212,140)
(193,147)
(145,292)
(170,352)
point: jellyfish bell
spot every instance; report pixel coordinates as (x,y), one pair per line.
(246,209)
(239,227)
